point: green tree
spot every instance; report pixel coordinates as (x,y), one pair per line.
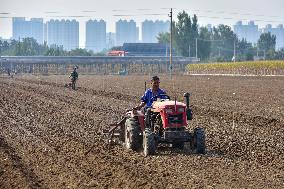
(266,43)
(245,50)
(223,48)
(185,33)
(55,50)
(204,43)
(79,52)
(164,38)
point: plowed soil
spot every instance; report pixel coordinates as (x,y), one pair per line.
(49,135)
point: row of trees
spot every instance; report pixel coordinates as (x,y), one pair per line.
(218,44)
(30,47)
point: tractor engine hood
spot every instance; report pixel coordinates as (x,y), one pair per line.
(158,106)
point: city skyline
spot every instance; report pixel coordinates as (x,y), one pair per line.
(217,12)
(64,32)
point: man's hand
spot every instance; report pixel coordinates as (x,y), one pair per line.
(141,105)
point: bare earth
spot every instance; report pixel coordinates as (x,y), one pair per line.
(46,131)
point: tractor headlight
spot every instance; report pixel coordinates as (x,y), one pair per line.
(169,111)
(180,110)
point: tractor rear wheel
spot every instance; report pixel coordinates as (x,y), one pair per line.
(132,130)
(149,143)
(199,140)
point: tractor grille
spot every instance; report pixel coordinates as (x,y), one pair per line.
(175,119)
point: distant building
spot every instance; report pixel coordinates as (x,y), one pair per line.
(147,49)
(248,32)
(151,29)
(126,32)
(209,27)
(278,32)
(63,33)
(23,28)
(117,53)
(110,40)
(95,35)
(45,32)
(7,40)
(137,34)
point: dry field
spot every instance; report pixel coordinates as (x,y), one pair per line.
(46,131)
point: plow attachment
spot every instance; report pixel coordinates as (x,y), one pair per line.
(115,133)
(112,135)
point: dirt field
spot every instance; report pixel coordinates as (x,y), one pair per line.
(46,131)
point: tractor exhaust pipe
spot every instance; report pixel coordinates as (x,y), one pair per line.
(188,109)
(186,96)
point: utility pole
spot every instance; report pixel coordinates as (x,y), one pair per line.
(264,54)
(189,50)
(166,50)
(171,38)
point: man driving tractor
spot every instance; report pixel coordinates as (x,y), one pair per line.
(161,121)
(148,97)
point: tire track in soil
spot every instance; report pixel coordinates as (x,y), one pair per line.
(108,94)
(25,132)
(31,178)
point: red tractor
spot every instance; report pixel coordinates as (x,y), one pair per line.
(165,122)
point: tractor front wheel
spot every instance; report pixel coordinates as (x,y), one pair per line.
(199,140)
(149,143)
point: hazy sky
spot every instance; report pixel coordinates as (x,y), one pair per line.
(208,11)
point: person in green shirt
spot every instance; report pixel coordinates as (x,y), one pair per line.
(74,76)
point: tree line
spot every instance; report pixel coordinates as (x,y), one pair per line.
(30,47)
(217,44)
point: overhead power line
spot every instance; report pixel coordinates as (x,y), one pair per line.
(235,13)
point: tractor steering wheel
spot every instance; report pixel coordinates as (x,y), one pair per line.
(161,96)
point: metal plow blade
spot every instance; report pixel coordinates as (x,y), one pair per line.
(112,135)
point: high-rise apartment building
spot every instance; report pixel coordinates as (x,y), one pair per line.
(151,29)
(23,28)
(95,35)
(63,33)
(125,32)
(248,32)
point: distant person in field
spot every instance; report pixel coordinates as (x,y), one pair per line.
(147,99)
(74,77)
(8,71)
